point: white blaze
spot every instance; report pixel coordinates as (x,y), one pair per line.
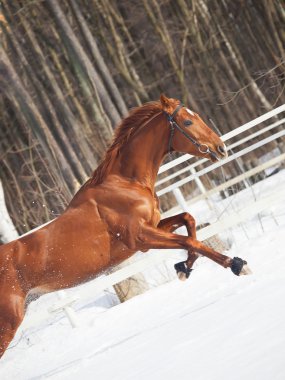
(190,112)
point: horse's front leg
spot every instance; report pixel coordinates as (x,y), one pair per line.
(151,238)
(170,224)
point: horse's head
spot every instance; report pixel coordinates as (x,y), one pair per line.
(189,133)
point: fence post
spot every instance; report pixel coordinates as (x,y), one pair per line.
(180,199)
(69,312)
(201,187)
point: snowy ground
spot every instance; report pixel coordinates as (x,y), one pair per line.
(214,326)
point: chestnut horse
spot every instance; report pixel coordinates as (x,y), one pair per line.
(113,215)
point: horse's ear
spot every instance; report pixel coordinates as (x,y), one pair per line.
(164,101)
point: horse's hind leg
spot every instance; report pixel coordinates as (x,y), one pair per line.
(11,315)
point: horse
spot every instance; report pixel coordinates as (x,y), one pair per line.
(113,215)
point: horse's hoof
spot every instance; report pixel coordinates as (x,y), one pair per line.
(181,276)
(239,267)
(183,272)
(245,270)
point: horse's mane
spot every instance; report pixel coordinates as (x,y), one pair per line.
(137,117)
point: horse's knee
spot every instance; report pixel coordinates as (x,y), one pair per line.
(189,219)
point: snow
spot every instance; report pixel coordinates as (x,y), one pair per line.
(213,326)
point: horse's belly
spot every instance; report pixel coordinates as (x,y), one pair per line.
(119,252)
(85,259)
(72,251)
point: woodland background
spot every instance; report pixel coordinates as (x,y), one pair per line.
(70,70)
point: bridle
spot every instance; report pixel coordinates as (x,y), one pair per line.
(203,148)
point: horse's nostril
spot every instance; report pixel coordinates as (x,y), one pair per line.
(221,149)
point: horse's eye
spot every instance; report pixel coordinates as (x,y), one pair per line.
(188,122)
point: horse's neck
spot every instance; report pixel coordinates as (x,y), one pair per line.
(140,158)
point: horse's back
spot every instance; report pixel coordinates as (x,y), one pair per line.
(74,247)
(5,252)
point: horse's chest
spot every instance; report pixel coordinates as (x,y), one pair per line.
(147,211)
(155,217)
(155,211)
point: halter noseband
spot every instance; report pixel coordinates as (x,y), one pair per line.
(173,125)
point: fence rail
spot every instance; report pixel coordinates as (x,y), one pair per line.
(221,163)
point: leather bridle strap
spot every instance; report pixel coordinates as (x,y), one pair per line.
(173,125)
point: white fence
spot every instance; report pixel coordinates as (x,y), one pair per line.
(95,287)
